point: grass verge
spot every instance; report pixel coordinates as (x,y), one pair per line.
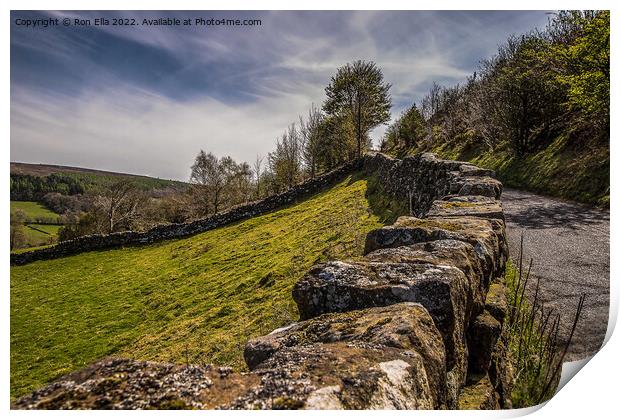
(536,350)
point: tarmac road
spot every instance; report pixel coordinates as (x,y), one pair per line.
(569,244)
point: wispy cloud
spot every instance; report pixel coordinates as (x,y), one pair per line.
(145,100)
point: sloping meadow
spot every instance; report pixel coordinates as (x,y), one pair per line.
(404,316)
(195,300)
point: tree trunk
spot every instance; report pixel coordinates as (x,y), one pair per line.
(359,128)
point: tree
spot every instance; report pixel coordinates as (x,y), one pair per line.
(257,166)
(208,180)
(407,131)
(120,205)
(239,186)
(430,103)
(359,92)
(310,132)
(337,142)
(86,224)
(579,53)
(219,183)
(285,161)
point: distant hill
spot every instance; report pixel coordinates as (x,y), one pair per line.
(44,169)
(88,180)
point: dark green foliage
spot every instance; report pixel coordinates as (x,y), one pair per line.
(30,187)
(407,131)
(358,92)
(579,54)
(336,142)
(537,112)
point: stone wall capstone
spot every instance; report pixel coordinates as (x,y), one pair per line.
(416,323)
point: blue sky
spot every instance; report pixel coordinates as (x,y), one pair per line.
(147,99)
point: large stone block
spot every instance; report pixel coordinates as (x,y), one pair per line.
(486,236)
(446,252)
(442,290)
(476,186)
(467,206)
(496,302)
(406,333)
(482,336)
(479,394)
(343,375)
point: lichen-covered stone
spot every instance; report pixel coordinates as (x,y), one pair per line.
(467,206)
(479,185)
(486,236)
(501,371)
(496,302)
(443,290)
(405,330)
(418,179)
(129,384)
(468,170)
(479,395)
(446,252)
(401,325)
(344,375)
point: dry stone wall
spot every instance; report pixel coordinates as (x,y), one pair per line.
(180,230)
(416,323)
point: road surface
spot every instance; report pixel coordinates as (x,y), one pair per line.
(569,244)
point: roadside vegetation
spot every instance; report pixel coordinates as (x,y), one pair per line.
(536,347)
(197,299)
(537,112)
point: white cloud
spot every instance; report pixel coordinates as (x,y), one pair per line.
(144,133)
(283,67)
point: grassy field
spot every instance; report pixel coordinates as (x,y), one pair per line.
(196,299)
(37,234)
(34,211)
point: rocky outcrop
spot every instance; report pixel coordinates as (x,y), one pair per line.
(416,323)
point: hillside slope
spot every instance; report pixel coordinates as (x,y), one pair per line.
(559,169)
(190,300)
(90,180)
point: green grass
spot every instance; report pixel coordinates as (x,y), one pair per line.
(37,234)
(34,211)
(32,248)
(51,230)
(197,299)
(532,345)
